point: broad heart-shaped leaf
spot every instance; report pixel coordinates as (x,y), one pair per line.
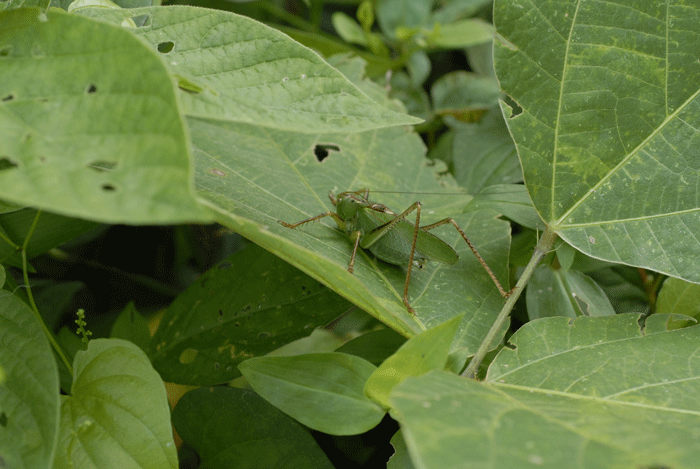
(117,414)
(254,177)
(90,123)
(231,427)
(29,394)
(324,391)
(246,306)
(608,127)
(233,68)
(590,393)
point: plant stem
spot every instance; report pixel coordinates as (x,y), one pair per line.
(543,247)
(25,274)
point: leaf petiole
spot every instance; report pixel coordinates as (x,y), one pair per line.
(544,245)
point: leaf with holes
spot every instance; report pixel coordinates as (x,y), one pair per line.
(255,177)
(233,68)
(29,397)
(117,414)
(89,123)
(607,129)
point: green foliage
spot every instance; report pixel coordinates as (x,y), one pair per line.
(582,150)
(110,113)
(333,381)
(86,134)
(261,437)
(29,400)
(422,353)
(117,413)
(223,319)
(541,409)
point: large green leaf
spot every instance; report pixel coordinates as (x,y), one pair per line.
(29,397)
(233,68)
(246,306)
(255,177)
(607,128)
(550,402)
(90,123)
(262,436)
(117,415)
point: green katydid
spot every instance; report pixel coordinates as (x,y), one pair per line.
(390,237)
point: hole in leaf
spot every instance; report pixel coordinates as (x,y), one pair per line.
(5,51)
(102,166)
(321,151)
(516,110)
(165,47)
(91,89)
(6,163)
(141,20)
(9,97)
(3,419)
(108,187)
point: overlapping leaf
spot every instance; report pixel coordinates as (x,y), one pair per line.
(608,126)
(551,401)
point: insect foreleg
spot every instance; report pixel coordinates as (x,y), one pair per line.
(504,293)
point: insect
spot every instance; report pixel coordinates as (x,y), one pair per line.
(392,238)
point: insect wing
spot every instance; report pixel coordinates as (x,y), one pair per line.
(432,247)
(428,246)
